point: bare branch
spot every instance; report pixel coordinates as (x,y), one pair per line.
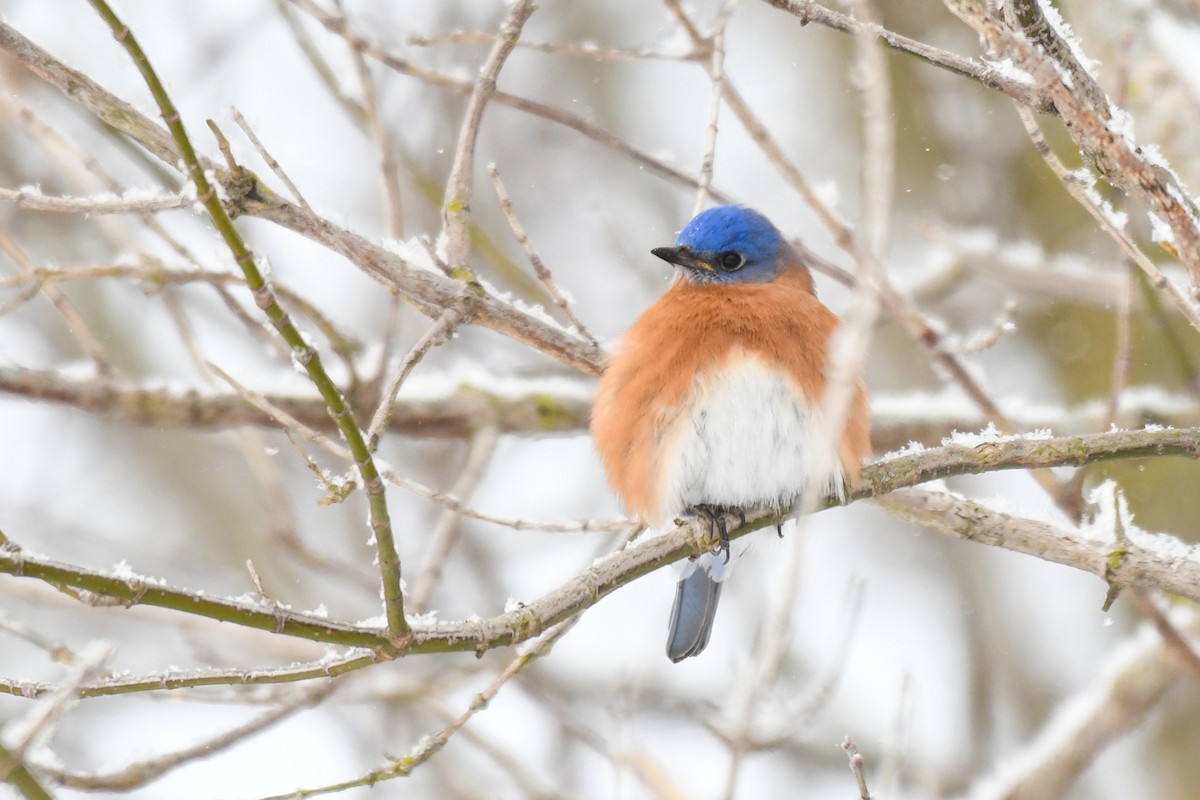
(459,406)
(1094,128)
(32,198)
(267,157)
(303,353)
(1166,565)
(456,209)
(809,11)
(856,766)
(539,267)
(1128,686)
(140,773)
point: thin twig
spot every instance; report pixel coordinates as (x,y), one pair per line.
(587,50)
(456,210)
(139,773)
(56,650)
(856,766)
(16,773)
(173,680)
(879,131)
(1123,349)
(539,267)
(432,744)
(446,532)
(1102,140)
(438,332)
(31,198)
(266,156)
(447,501)
(76,324)
(1086,196)
(41,719)
(979,342)
(389,175)
(1184,651)
(988,75)
(716,75)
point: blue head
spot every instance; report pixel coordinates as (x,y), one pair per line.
(728,244)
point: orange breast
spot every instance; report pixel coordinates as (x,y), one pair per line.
(689,331)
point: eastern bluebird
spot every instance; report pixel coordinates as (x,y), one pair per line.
(711,403)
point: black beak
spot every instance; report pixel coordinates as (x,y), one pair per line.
(682,256)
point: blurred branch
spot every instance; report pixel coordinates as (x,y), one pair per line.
(587,50)
(550,113)
(388,174)
(857,764)
(32,198)
(459,407)
(39,722)
(1128,686)
(878,115)
(981,255)
(447,501)
(155,275)
(173,680)
(15,772)
(75,322)
(139,773)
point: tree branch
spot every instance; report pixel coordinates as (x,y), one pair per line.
(1171,568)
(303,353)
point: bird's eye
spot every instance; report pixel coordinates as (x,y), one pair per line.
(731,261)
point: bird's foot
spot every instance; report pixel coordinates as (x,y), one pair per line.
(715,517)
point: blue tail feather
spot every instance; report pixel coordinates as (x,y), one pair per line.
(692,616)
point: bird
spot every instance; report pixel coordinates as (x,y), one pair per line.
(710,404)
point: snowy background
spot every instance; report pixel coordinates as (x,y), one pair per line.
(943,660)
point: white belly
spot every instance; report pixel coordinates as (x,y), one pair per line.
(749,439)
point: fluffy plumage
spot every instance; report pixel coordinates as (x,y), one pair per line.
(712,397)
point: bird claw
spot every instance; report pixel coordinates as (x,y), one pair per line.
(715,517)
